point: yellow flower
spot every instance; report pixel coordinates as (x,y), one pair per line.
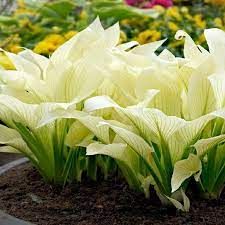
(218,2)
(148,36)
(21,3)
(199,21)
(132,22)
(55,39)
(5,62)
(201,39)
(123,37)
(22,9)
(70,34)
(159,8)
(174,13)
(188,16)
(56,29)
(45,47)
(218,22)
(83,15)
(172,26)
(24,22)
(125,22)
(14,48)
(49,44)
(155,24)
(184,9)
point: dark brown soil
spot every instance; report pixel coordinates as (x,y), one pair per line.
(8,157)
(24,195)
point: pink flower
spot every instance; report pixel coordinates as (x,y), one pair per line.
(165,3)
(150,3)
(131,2)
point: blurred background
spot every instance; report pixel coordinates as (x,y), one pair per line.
(43,25)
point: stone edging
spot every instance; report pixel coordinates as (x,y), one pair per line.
(6,219)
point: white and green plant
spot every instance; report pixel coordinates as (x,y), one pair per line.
(95,102)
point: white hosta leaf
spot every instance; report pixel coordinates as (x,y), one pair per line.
(200,98)
(99,102)
(74,82)
(133,140)
(76,47)
(190,48)
(168,99)
(153,124)
(115,150)
(216,42)
(167,55)
(184,169)
(147,49)
(39,60)
(49,112)
(128,45)
(218,85)
(187,135)
(204,145)
(78,135)
(11,109)
(13,140)
(168,102)
(107,88)
(8,149)
(124,77)
(219,113)
(186,202)
(112,35)
(24,65)
(92,123)
(145,184)
(148,98)
(24,87)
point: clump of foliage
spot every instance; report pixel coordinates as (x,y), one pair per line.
(96,102)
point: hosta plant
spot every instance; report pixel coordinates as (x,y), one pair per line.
(166,150)
(62,82)
(160,117)
(149,147)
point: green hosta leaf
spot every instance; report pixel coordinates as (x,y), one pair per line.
(184,169)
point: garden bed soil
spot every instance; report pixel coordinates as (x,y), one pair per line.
(8,157)
(25,195)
